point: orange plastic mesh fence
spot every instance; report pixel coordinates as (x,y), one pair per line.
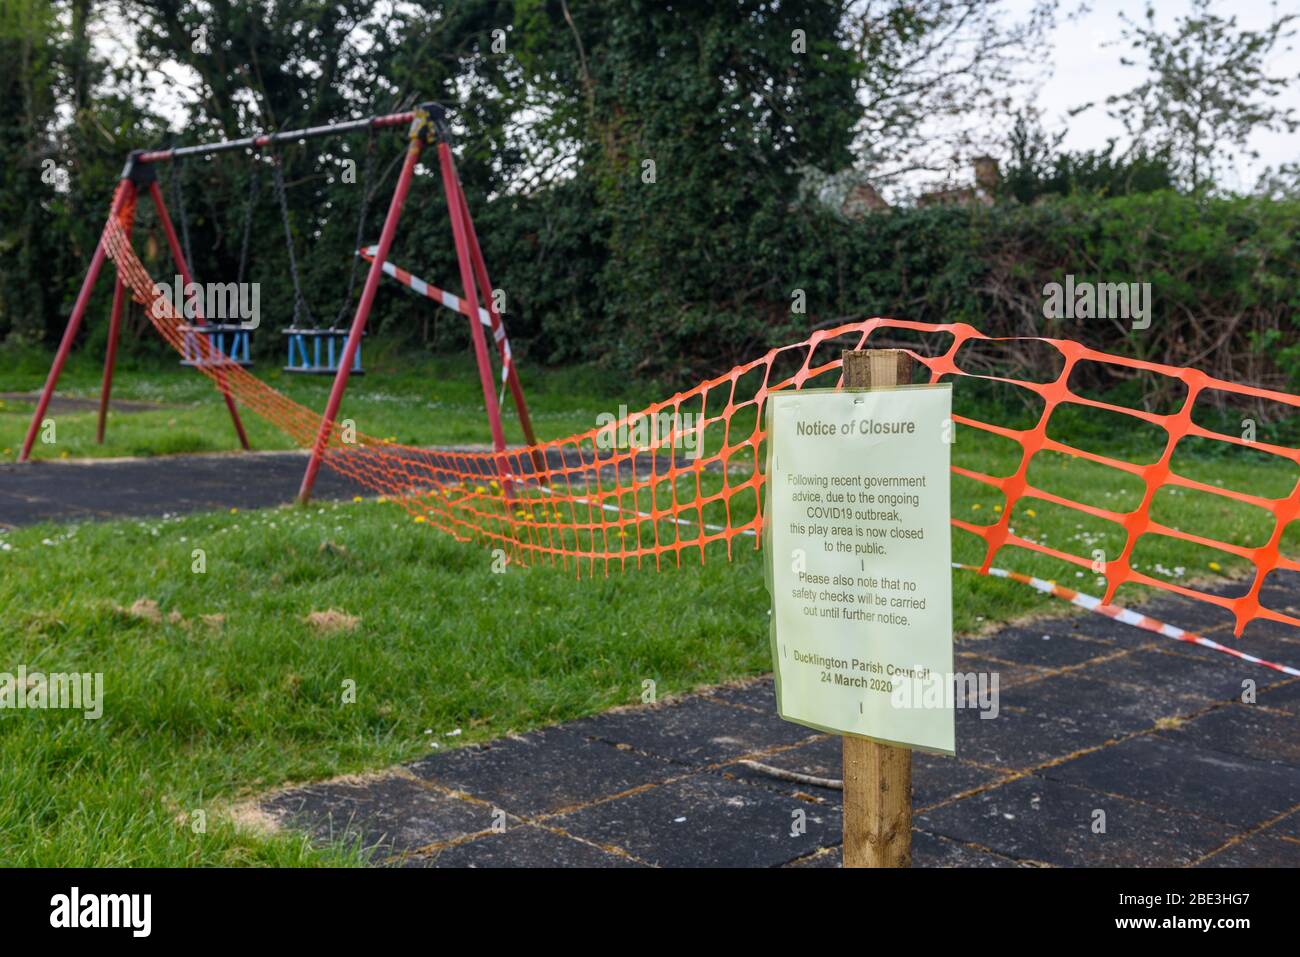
(590,504)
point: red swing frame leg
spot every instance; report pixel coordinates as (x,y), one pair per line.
(155,193)
(363,309)
(512,373)
(126,191)
(456,209)
(114,331)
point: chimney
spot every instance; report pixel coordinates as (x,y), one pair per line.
(986,174)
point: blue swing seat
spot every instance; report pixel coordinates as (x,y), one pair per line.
(318,351)
(220,336)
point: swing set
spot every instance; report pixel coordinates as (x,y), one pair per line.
(333,350)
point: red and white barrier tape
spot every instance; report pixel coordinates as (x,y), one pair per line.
(1145,622)
(451,301)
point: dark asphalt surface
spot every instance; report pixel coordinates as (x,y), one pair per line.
(1112,747)
(87,489)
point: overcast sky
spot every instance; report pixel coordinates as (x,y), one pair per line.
(1084,68)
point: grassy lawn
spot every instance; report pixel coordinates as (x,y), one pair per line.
(435,400)
(201,712)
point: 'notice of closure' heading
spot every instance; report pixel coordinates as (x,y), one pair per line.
(857,427)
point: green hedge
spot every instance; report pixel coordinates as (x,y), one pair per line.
(1223,275)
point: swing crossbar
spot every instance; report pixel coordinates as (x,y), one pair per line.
(269,139)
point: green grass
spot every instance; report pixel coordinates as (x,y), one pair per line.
(411,400)
(196,715)
(199,716)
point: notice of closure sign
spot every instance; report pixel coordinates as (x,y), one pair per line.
(859,564)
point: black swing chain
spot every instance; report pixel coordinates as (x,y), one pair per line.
(300,307)
(248,218)
(178,200)
(345,305)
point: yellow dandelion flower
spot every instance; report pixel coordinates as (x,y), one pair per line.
(1214,566)
(1031,513)
(234,511)
(419,518)
(976,507)
(356,498)
(997,508)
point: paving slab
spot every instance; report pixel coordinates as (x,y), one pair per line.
(1180,776)
(1040,820)
(1010,673)
(1284,696)
(931,850)
(543,772)
(928,850)
(384,816)
(705,820)
(1051,719)
(1273,648)
(1246,730)
(1263,630)
(1101,628)
(523,846)
(935,778)
(695,732)
(1047,647)
(1192,682)
(1288,827)
(1191,614)
(1258,850)
(758,695)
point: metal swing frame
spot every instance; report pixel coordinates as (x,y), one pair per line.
(426,127)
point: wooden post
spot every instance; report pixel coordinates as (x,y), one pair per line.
(877,777)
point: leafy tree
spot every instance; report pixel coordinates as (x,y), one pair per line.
(1280,183)
(28,42)
(1207,92)
(689,122)
(1036,166)
(66,121)
(935,76)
